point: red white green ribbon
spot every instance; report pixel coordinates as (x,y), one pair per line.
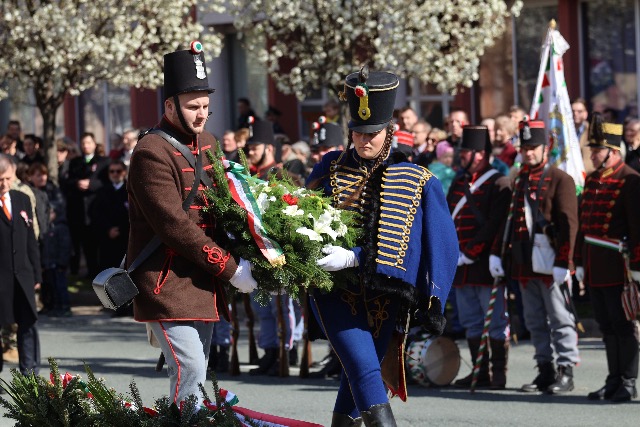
(241,193)
(603,242)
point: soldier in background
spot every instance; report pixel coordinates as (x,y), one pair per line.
(609,216)
(545,204)
(479,200)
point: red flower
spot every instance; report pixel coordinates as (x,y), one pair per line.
(66,378)
(290,200)
(361,90)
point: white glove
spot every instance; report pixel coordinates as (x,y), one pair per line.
(635,275)
(464,260)
(580,274)
(495,266)
(561,275)
(337,258)
(242,278)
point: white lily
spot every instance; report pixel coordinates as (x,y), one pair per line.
(293,210)
(322,225)
(309,233)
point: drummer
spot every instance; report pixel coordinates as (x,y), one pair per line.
(408,237)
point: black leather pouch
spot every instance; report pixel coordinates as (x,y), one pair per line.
(115,288)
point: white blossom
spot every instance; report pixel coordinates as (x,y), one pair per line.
(439,42)
(59,47)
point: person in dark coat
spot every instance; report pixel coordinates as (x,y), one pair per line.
(20,272)
(110,217)
(56,253)
(479,200)
(609,220)
(87,174)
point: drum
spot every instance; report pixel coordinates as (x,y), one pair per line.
(433,361)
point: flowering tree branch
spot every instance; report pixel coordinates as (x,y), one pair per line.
(437,42)
(60,47)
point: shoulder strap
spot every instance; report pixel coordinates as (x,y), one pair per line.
(196,163)
(184,151)
(470,190)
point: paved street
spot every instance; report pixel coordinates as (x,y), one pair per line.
(116,349)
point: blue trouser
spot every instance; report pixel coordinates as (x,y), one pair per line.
(343,315)
(221,333)
(185,346)
(268,318)
(454,317)
(473,304)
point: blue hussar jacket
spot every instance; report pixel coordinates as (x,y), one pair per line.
(410,246)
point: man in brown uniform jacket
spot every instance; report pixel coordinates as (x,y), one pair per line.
(181,283)
(545,203)
(609,214)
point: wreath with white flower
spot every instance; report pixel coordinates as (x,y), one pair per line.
(278,226)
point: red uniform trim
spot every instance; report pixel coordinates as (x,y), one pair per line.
(215,256)
(175,357)
(164,272)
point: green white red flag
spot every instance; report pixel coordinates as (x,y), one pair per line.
(552,105)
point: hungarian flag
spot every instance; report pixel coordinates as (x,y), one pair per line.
(552,105)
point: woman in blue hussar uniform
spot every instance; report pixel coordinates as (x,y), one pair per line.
(406,260)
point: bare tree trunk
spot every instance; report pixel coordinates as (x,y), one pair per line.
(48,111)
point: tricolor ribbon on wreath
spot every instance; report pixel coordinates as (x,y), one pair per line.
(238,182)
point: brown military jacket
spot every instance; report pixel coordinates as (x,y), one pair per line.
(180,280)
(559,206)
(610,209)
(476,235)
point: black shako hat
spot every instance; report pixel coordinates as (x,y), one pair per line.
(603,134)
(371,98)
(261,132)
(475,138)
(185,71)
(326,135)
(532,133)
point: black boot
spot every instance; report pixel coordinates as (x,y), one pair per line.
(331,368)
(614,379)
(628,357)
(546,377)
(293,355)
(484,380)
(379,416)
(342,420)
(324,360)
(223,359)
(626,391)
(564,381)
(266,362)
(499,357)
